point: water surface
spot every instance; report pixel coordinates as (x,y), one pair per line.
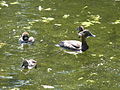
(51,21)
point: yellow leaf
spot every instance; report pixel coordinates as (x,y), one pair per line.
(2,44)
(15,3)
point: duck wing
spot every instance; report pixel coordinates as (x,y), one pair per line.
(71,44)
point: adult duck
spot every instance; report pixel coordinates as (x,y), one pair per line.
(26,39)
(75,45)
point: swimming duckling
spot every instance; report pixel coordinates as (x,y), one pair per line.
(75,45)
(29,64)
(25,39)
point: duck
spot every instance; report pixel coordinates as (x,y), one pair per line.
(75,45)
(26,39)
(29,64)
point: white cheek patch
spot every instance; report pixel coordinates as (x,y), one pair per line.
(79,34)
(31,64)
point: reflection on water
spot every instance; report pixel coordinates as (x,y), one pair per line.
(51,21)
(6,77)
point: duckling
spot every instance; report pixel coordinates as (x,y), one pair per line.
(25,39)
(29,64)
(75,45)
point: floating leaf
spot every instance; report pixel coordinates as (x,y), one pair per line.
(93,55)
(40,8)
(49,69)
(91,81)
(95,17)
(47,86)
(111,57)
(2,44)
(57,24)
(93,74)
(66,16)
(80,78)
(92,20)
(87,24)
(85,7)
(116,22)
(16,36)
(3,3)
(100,64)
(48,9)
(28,27)
(110,43)
(76,22)
(77,15)
(2,70)
(50,19)
(31,23)
(14,3)
(15,89)
(47,20)
(101,55)
(18,13)
(95,22)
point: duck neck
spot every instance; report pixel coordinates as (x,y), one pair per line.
(84,44)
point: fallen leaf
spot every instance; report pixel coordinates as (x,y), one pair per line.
(85,7)
(49,69)
(47,19)
(91,81)
(3,3)
(47,86)
(15,3)
(111,57)
(95,17)
(110,43)
(87,24)
(93,74)
(40,8)
(116,22)
(93,55)
(2,44)
(101,55)
(80,78)
(48,9)
(66,16)
(57,24)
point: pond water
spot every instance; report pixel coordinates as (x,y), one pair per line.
(51,21)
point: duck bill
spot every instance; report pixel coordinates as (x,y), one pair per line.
(93,35)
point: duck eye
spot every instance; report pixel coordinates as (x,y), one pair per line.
(33,62)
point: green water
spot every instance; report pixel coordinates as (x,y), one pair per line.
(96,69)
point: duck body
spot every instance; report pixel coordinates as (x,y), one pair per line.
(70,44)
(73,45)
(25,39)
